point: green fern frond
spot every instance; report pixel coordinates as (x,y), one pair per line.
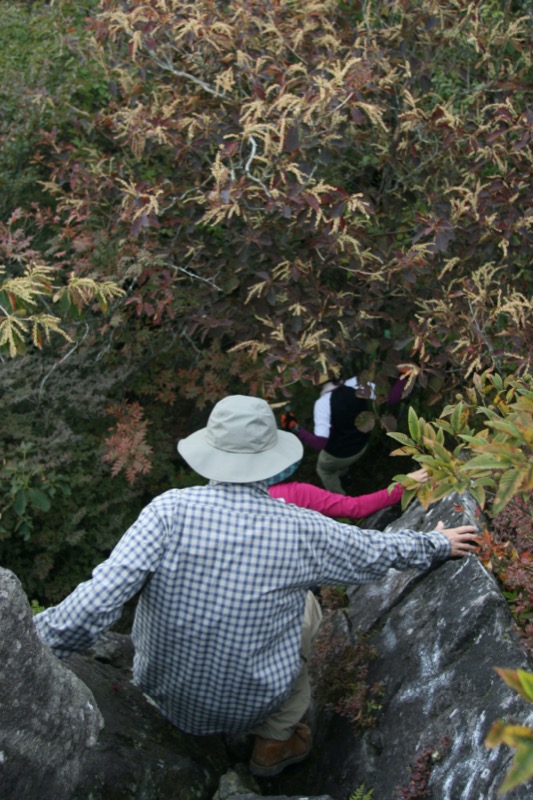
(361,793)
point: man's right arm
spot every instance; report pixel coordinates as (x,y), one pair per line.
(77,622)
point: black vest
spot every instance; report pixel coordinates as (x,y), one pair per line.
(345,439)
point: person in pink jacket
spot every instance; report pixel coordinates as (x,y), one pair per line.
(331,504)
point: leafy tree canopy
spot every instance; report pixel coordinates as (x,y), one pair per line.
(284,184)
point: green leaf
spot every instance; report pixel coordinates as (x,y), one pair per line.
(407,496)
(485,480)
(39,499)
(425,494)
(477,439)
(507,427)
(400,478)
(526,680)
(441,453)
(443,489)
(21,501)
(512,679)
(478,493)
(525,403)
(231,284)
(445,426)
(521,768)
(401,437)
(414,425)
(496,381)
(24,530)
(484,461)
(405,451)
(510,483)
(456,419)
(436,463)
(36,607)
(365,421)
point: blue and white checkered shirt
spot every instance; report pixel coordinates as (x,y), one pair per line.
(217,627)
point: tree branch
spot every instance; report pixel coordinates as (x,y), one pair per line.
(169,67)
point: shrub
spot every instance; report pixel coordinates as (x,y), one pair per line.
(518,736)
(482,443)
(279,187)
(339,669)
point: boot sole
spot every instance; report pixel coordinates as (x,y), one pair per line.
(275,769)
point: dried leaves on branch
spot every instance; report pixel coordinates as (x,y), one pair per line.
(298,182)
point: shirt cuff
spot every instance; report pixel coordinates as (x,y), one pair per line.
(441,543)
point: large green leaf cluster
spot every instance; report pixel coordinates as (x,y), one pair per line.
(61,513)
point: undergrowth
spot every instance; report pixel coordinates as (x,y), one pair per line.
(339,668)
(417,787)
(507,552)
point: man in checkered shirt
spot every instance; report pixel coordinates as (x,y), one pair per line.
(225,619)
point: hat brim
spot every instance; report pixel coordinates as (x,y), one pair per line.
(220,465)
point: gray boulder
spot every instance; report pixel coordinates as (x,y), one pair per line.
(239,784)
(48,717)
(139,755)
(438,638)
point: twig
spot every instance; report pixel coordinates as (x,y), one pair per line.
(248,164)
(196,277)
(62,360)
(166,65)
(484,337)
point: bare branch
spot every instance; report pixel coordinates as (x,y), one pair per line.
(248,164)
(169,67)
(196,277)
(61,361)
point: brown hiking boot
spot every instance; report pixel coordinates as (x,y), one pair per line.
(271,756)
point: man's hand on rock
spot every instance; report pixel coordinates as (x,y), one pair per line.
(463,540)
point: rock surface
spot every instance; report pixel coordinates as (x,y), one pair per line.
(139,755)
(438,638)
(48,717)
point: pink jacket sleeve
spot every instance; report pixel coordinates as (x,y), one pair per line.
(330,504)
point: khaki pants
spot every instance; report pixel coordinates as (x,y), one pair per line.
(330,469)
(280,725)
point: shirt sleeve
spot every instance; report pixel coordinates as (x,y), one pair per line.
(331,504)
(322,416)
(348,554)
(309,439)
(77,622)
(367,504)
(396,391)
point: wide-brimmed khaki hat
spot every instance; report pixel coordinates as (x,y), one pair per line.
(241,443)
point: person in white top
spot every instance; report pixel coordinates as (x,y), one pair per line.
(339,442)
